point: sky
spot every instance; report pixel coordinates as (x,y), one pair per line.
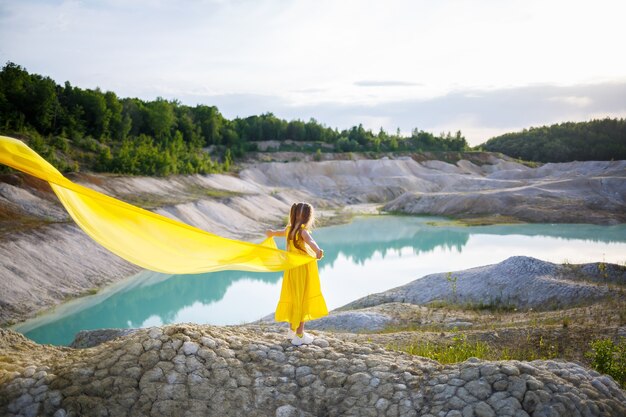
(484,67)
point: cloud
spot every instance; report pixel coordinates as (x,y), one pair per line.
(573,100)
(384,83)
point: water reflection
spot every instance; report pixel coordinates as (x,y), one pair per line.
(369,255)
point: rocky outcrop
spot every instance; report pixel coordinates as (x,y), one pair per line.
(576,192)
(521,282)
(191,370)
(585,192)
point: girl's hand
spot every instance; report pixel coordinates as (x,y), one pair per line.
(320,254)
(269,233)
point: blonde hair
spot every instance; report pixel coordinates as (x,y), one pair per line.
(301,216)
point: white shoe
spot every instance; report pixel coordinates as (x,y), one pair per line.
(290,334)
(306,339)
(297,340)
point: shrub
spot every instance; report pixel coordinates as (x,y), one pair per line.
(609,358)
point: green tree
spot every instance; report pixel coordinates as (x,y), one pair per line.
(160,118)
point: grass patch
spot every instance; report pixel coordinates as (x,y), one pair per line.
(69,297)
(192,193)
(13,220)
(459,350)
(476,221)
(495,306)
(198,192)
(338,217)
(150,201)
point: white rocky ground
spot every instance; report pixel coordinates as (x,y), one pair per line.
(191,370)
(45,258)
(586,192)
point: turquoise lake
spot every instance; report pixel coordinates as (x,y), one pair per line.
(369,255)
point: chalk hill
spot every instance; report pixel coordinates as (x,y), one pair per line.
(38,247)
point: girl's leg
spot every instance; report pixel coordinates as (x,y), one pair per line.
(300,329)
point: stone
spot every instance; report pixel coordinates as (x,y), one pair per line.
(488,369)
(381,404)
(148,359)
(503,401)
(479,389)
(38,390)
(287,411)
(482,409)
(456,403)
(31,410)
(27,382)
(517,387)
(392,411)
(190,348)
(29,371)
(534,384)
(374,382)
(21,402)
(500,385)
(469,373)
(457,382)
(321,343)
(39,375)
(303,371)
(276,356)
(54,398)
(597,384)
(305,380)
(152,344)
(448,392)
(155,332)
(509,370)
(531,401)
(464,395)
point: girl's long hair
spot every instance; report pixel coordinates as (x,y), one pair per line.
(301,214)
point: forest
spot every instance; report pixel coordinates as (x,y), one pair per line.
(83,129)
(596,140)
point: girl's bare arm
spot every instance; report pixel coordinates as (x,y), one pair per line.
(272,232)
(311,242)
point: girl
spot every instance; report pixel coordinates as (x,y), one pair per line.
(301,298)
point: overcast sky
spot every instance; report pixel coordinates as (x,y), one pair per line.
(484,67)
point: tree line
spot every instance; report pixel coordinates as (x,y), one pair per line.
(78,128)
(599,140)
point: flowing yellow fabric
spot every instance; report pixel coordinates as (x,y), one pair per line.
(145,238)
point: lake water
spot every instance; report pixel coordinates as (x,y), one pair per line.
(369,255)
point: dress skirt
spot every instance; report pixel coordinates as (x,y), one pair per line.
(301,296)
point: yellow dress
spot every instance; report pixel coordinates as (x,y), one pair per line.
(301,297)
